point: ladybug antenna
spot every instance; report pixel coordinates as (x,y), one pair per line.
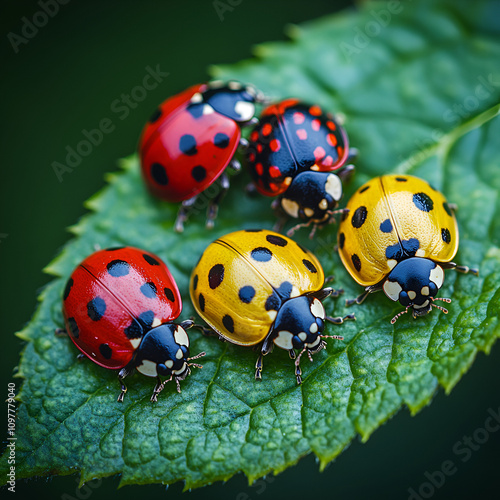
(393,320)
(444,299)
(197,356)
(439,307)
(331,213)
(337,337)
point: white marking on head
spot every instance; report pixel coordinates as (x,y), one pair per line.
(179,354)
(196,98)
(392,263)
(169,363)
(323,204)
(309,212)
(208,110)
(295,292)
(135,342)
(147,368)
(284,340)
(233,85)
(272,315)
(425,304)
(180,371)
(290,207)
(313,328)
(411,294)
(156,322)
(315,343)
(314,167)
(302,336)
(333,187)
(181,336)
(317,309)
(245,109)
(437,276)
(287,181)
(392,289)
(425,290)
(420,253)
(216,84)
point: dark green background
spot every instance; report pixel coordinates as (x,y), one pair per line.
(63,81)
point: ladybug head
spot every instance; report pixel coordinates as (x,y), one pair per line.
(299,324)
(232,99)
(164,351)
(415,283)
(312,196)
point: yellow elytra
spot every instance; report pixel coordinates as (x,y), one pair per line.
(257,286)
(399,235)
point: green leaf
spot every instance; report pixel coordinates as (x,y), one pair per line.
(420,93)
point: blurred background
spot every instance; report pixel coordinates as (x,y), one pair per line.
(81,67)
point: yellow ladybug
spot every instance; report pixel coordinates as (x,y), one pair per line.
(398,236)
(257,286)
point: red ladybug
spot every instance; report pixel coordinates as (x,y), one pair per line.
(119,305)
(190,140)
(292,154)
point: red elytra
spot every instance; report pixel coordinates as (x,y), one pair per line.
(113,298)
(192,138)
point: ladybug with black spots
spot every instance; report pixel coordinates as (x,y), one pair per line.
(398,236)
(292,153)
(256,287)
(119,306)
(191,139)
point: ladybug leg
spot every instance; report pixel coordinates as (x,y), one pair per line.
(258,367)
(187,324)
(298,371)
(235,165)
(158,388)
(121,375)
(460,269)
(359,300)
(183,214)
(346,173)
(326,292)
(80,356)
(60,332)
(250,189)
(292,231)
(339,320)
(353,155)
(243,144)
(267,347)
(213,207)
